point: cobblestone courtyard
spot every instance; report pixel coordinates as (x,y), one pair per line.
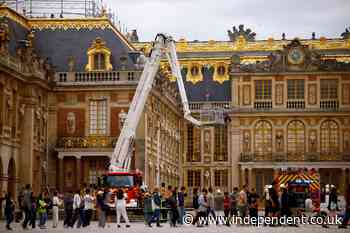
(140,227)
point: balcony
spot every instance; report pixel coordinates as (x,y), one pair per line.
(285,157)
(263,105)
(331,104)
(197,106)
(87,142)
(97,77)
(296,104)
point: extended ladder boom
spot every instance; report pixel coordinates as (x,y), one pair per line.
(122,154)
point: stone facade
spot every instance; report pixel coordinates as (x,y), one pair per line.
(286,106)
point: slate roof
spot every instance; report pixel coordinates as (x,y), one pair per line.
(208,89)
(17,33)
(59,44)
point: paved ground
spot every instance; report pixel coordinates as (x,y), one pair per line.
(140,227)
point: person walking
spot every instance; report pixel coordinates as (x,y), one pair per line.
(77,204)
(243,202)
(56,202)
(33,211)
(195,204)
(275,203)
(68,209)
(285,211)
(181,199)
(156,202)
(88,207)
(333,202)
(26,206)
(9,210)
(233,202)
(100,209)
(254,204)
(174,214)
(227,208)
(42,205)
(202,209)
(120,205)
(147,208)
(347,208)
(211,205)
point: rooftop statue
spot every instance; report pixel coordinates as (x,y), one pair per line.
(246,33)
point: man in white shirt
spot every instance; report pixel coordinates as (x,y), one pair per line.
(76,208)
(88,207)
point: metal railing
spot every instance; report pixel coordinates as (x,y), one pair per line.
(86,142)
(97,77)
(288,157)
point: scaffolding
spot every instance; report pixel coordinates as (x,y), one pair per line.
(64,9)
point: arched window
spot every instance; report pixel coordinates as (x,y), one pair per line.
(329,138)
(263,140)
(296,140)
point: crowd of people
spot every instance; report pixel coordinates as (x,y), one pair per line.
(162,204)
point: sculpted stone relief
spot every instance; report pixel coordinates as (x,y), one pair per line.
(312,94)
(71,123)
(279,94)
(246,95)
(207,142)
(246,141)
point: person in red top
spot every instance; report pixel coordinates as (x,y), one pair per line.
(227,202)
(347,208)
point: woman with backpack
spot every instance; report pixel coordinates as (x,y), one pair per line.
(120,205)
(156,202)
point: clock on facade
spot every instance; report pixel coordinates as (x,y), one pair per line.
(295,56)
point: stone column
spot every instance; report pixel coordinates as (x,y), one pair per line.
(243,179)
(234,144)
(78,167)
(25,166)
(250,178)
(60,173)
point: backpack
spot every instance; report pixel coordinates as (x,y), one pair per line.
(156,199)
(195,202)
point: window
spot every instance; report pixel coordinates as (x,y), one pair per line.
(99,61)
(329,89)
(220,149)
(193,178)
(329,137)
(221,178)
(295,89)
(96,169)
(221,70)
(263,139)
(296,140)
(193,144)
(98,117)
(194,71)
(263,89)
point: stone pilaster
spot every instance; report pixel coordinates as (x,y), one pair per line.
(60,173)
(25,172)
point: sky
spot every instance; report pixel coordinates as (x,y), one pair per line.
(210,19)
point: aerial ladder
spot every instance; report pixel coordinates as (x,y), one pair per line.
(164,45)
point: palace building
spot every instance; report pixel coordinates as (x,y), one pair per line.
(66,85)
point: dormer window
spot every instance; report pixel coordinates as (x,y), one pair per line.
(99,56)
